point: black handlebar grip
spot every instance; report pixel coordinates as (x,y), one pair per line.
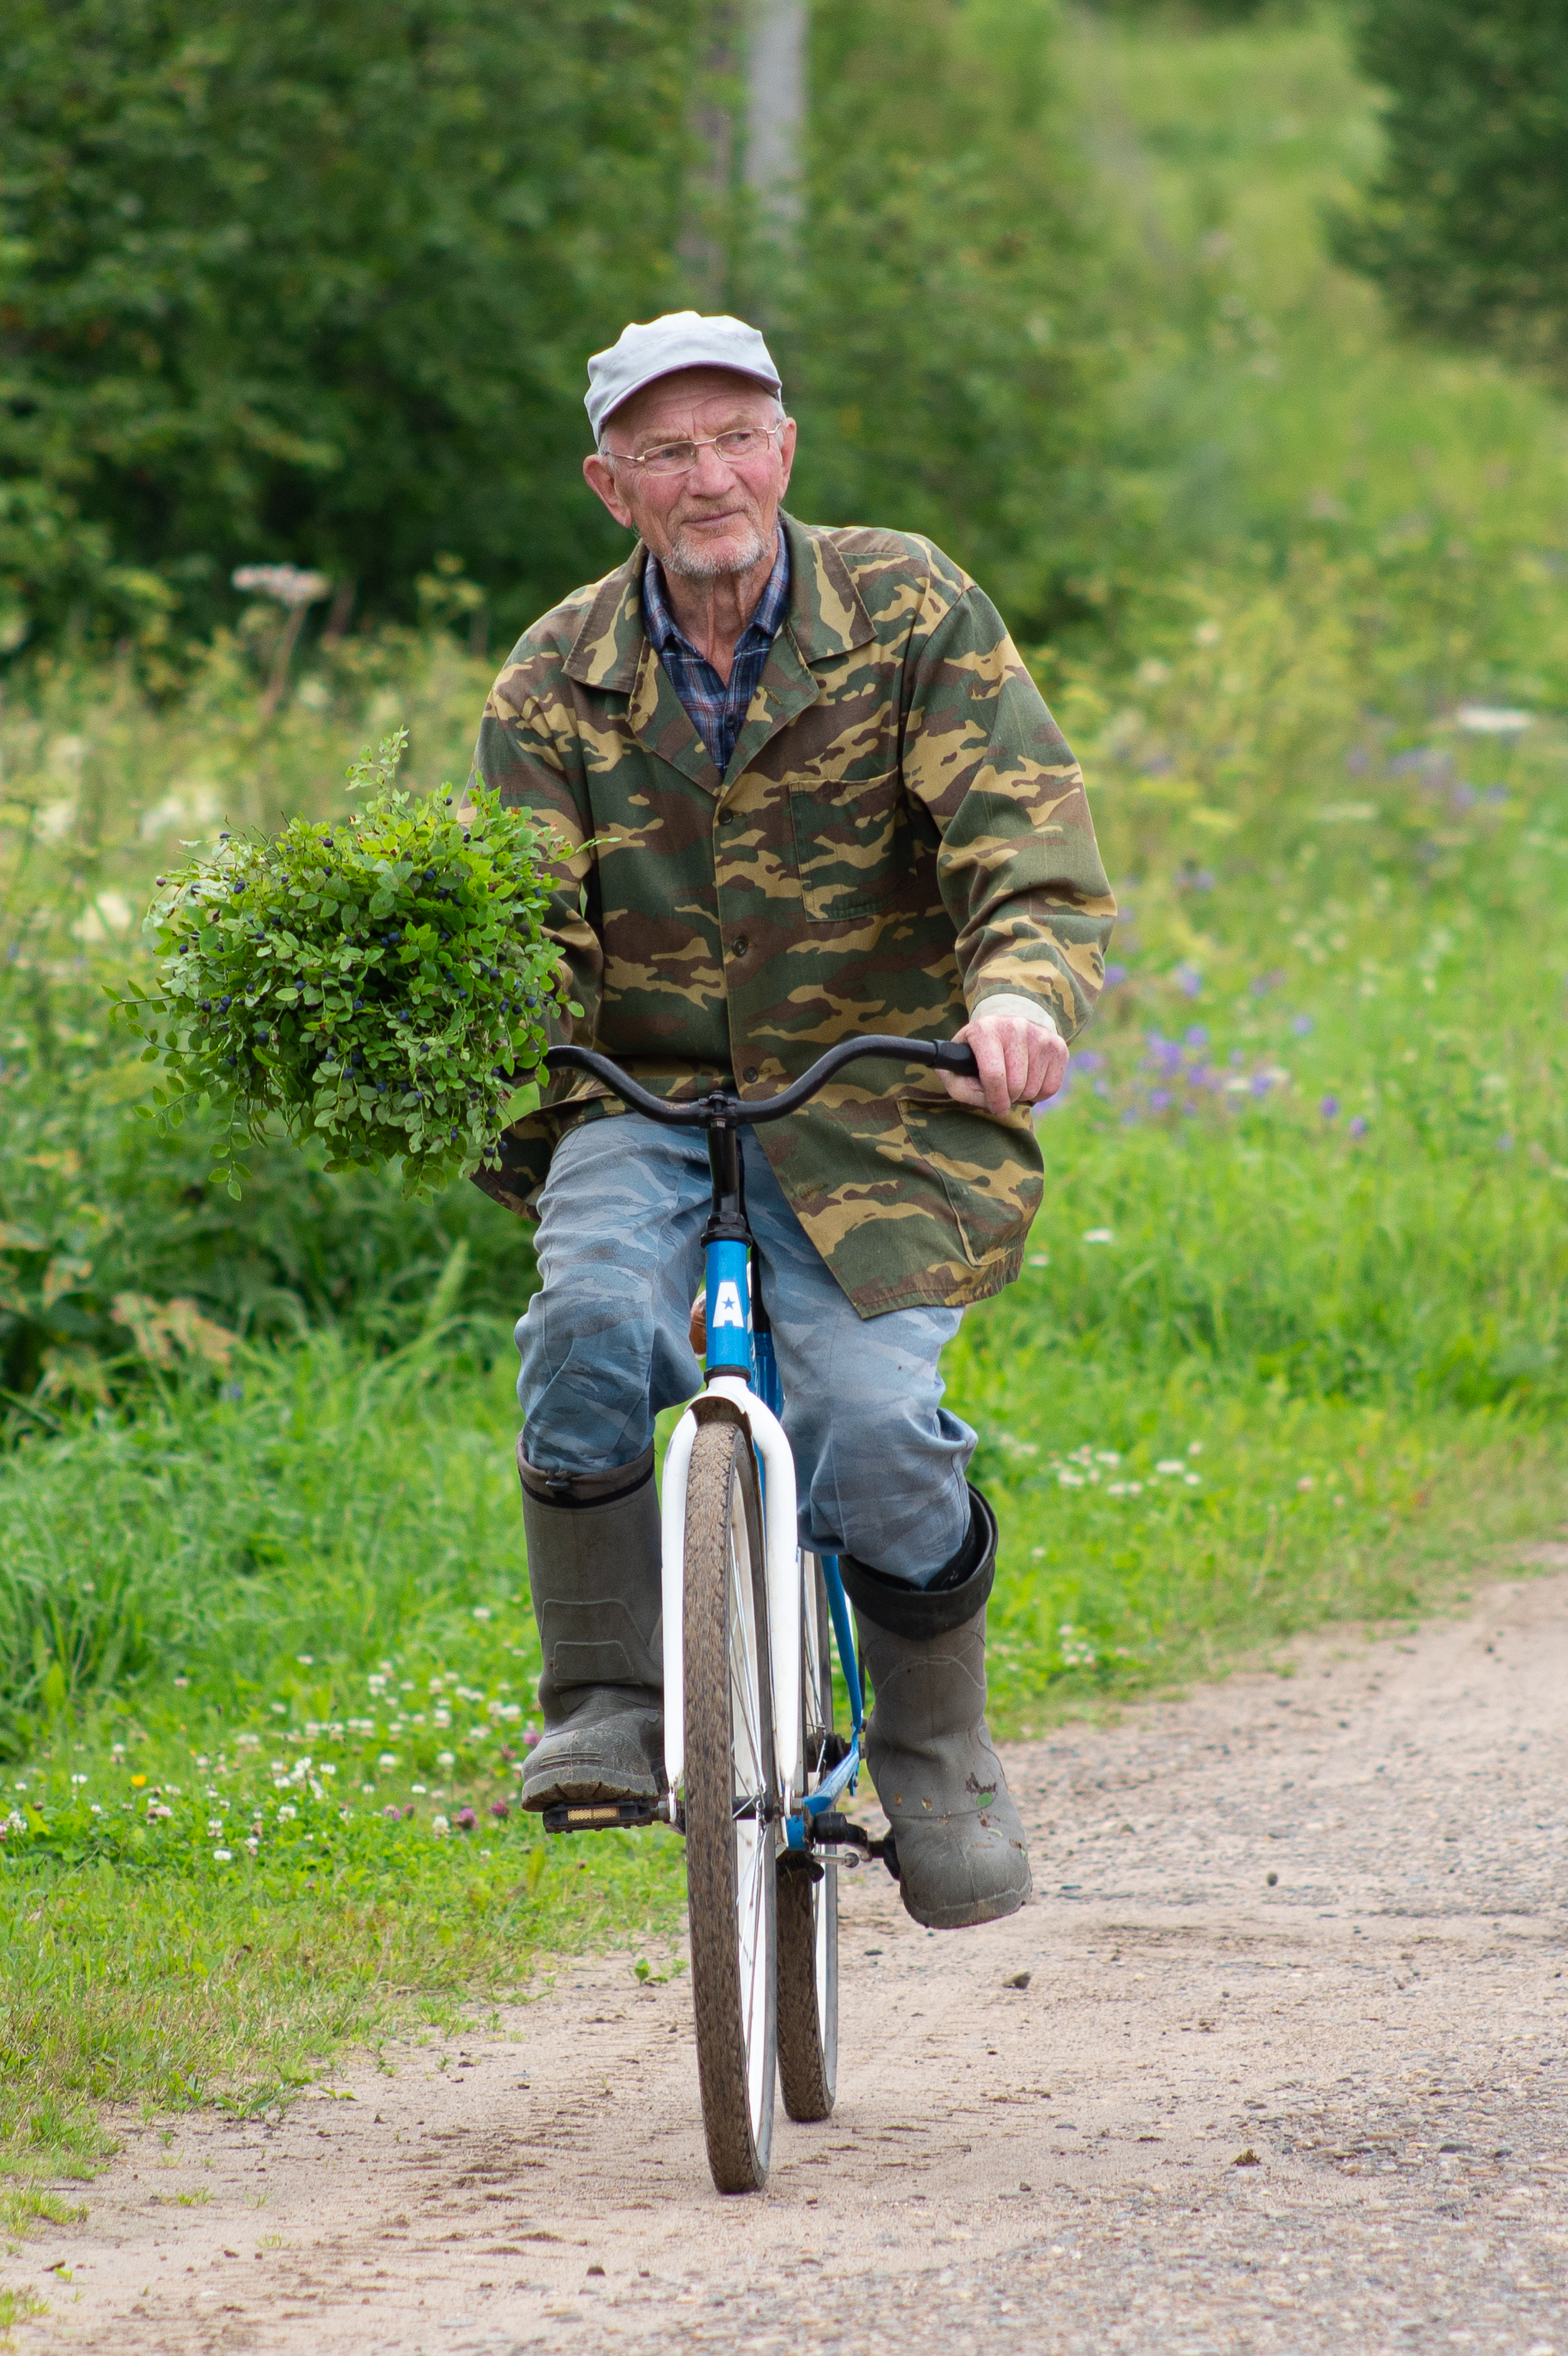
(952,1057)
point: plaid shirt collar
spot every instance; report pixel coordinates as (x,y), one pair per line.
(716,707)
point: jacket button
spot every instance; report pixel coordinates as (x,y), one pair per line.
(750,1074)
(739,945)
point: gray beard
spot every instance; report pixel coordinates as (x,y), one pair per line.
(701,564)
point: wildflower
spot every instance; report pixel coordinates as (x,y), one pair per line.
(1504,1142)
(1305,1482)
(1098,1235)
(446,1758)
(529,1739)
(439,1826)
(1329,1108)
(393,1815)
(481,1611)
(1491,720)
(501,1809)
(1115,975)
(466,1820)
(223,1856)
(1108,1456)
(1357,1126)
(1170,1464)
(79,1779)
(387,1758)
(1188,981)
(418,1788)
(214,1827)
(1196,1035)
(289,585)
(1302,1025)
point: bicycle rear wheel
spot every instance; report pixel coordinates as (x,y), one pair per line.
(807,1892)
(731,1806)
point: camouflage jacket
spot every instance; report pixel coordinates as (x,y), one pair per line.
(901,832)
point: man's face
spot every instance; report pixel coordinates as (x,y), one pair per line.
(719,517)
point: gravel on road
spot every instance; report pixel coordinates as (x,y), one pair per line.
(1287,2074)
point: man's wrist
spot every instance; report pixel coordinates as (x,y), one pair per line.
(1011,1005)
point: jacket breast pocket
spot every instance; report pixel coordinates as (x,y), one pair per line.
(849,838)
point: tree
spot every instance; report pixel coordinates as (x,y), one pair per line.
(315,281)
(1465,226)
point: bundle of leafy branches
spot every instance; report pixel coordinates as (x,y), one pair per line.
(383,984)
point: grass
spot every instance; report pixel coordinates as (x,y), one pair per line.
(1288,1349)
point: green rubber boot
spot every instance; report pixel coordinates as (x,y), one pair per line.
(593,1568)
(961,1850)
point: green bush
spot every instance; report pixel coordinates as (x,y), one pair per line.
(317,284)
(1465,225)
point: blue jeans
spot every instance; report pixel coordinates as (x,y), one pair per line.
(880,1461)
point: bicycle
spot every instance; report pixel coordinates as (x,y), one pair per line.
(753,1764)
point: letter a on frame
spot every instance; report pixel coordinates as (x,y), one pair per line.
(727,1310)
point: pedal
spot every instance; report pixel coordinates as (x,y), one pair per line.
(830,1831)
(602,1815)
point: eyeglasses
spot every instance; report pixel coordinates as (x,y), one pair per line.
(741,443)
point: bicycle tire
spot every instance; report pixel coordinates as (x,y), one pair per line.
(808,1896)
(730,1767)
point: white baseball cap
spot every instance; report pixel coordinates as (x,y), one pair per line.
(681,339)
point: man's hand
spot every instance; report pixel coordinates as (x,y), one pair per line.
(1021,1061)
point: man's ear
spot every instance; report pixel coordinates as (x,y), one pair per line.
(786,455)
(600,477)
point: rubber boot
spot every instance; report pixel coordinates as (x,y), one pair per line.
(961,1851)
(594,1568)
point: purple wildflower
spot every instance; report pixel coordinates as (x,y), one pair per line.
(1188,981)
(465,1820)
(1302,1025)
(1159,1099)
(1091,1060)
(1197,1035)
(498,1808)
(1358,1127)
(1329,1108)
(1261,1084)
(1114,976)
(393,1816)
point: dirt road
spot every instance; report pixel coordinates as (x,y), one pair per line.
(1289,2074)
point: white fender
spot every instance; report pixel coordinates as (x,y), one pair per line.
(783,1575)
(782,1580)
(672,1526)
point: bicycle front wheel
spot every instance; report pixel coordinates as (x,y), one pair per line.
(731,1807)
(809,1891)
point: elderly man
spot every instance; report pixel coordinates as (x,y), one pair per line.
(807,789)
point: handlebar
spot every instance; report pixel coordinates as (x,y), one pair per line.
(719,1109)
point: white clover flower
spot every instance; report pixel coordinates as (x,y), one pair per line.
(439,1825)
(445,1759)
(1098,1235)
(418,1789)
(285,1814)
(223,1856)
(1108,1456)
(387,1758)
(79,1779)
(1170,1464)
(1491,720)
(482,1611)
(1069,1479)
(214,1827)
